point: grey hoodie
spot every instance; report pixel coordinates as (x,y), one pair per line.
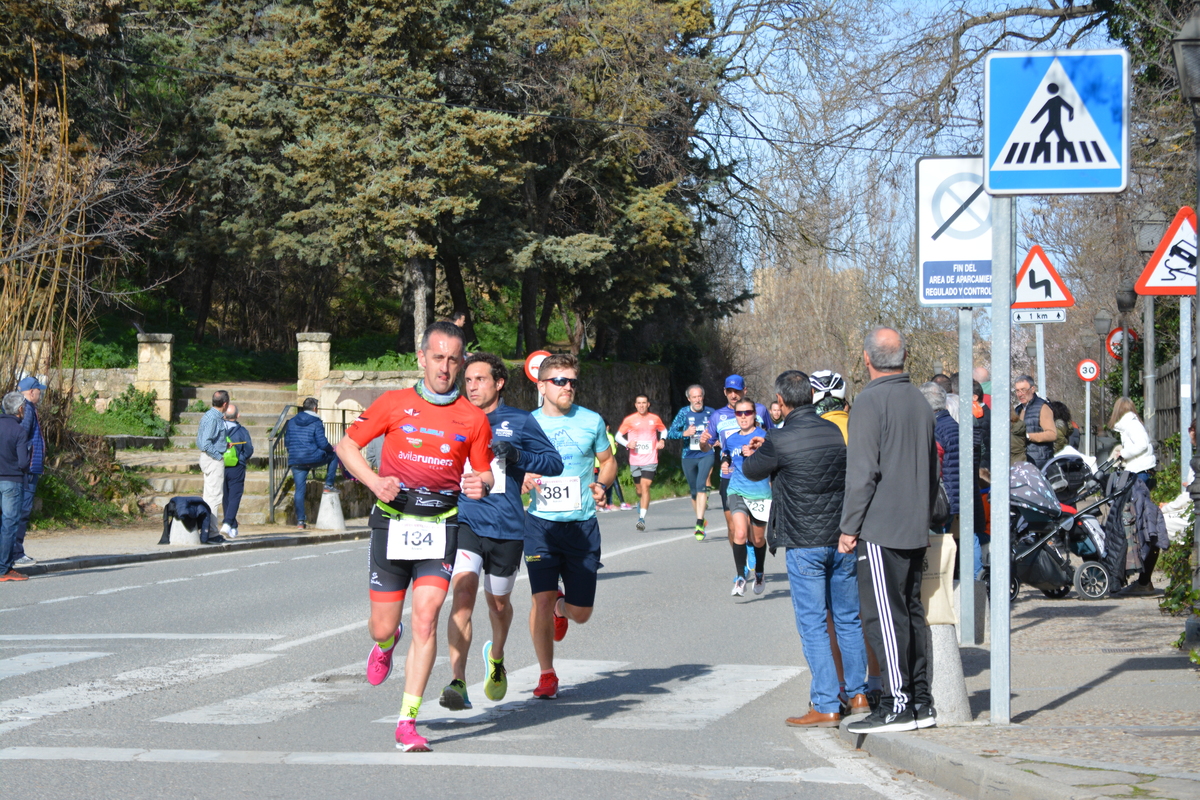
(891,465)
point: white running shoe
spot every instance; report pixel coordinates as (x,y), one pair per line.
(224,528)
(739,587)
(760,582)
(232,533)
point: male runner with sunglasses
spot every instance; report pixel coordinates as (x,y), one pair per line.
(562,538)
(430,433)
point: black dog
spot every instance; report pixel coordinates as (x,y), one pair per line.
(194,513)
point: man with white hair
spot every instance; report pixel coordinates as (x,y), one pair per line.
(14,464)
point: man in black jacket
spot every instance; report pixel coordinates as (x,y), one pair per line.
(891,482)
(806,460)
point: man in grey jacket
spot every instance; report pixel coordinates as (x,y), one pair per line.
(891,482)
(210,441)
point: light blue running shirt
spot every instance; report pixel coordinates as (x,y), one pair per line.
(578,436)
(738,482)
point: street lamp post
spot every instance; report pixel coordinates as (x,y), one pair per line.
(1186,49)
(1126,300)
(1149,225)
(1102,323)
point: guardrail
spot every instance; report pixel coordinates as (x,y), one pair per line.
(277,460)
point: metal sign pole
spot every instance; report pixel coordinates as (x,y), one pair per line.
(967,470)
(1185,382)
(1004,226)
(1039,337)
(1087,419)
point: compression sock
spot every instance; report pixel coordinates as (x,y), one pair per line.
(760,558)
(410,706)
(389,644)
(739,559)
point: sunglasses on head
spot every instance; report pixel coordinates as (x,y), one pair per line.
(560,381)
(744,413)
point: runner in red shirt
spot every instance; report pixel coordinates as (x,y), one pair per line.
(430,435)
(643,433)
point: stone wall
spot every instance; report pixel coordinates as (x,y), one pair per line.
(104,384)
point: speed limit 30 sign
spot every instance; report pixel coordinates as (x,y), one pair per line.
(1088,370)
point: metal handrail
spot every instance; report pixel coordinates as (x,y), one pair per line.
(275,445)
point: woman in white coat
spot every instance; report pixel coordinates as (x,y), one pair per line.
(1136,448)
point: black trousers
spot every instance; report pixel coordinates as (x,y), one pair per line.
(235,485)
(889,593)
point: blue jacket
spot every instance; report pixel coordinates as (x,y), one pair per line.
(37,444)
(305,439)
(236,432)
(502,515)
(945,432)
(14,449)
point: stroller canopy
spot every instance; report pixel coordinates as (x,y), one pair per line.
(1029,490)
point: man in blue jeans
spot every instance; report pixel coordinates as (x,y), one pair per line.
(806,460)
(308,449)
(14,465)
(31,389)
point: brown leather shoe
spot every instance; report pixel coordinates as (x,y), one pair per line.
(13,575)
(815,719)
(859,705)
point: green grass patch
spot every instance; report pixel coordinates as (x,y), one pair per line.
(131,413)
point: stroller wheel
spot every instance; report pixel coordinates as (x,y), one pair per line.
(1058,593)
(1014,588)
(1091,580)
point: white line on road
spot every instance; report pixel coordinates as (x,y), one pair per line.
(520,692)
(64,637)
(695,703)
(22,711)
(216,572)
(301,558)
(435,760)
(34,662)
(171,580)
(117,589)
(358,625)
(61,599)
(857,768)
(276,702)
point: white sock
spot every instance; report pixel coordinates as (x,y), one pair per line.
(641,513)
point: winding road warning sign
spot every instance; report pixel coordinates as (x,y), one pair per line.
(1039,284)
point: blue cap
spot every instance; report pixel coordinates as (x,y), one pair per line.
(735,382)
(30,382)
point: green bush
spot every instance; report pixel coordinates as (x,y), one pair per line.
(132,413)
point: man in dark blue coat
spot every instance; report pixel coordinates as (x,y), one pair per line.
(235,474)
(308,449)
(14,465)
(945,433)
(491,531)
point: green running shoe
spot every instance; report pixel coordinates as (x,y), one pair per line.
(495,683)
(454,696)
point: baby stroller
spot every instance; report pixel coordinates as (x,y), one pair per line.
(1045,530)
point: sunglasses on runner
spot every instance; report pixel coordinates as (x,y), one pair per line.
(743,413)
(564,381)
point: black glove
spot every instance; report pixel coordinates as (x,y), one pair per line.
(505,452)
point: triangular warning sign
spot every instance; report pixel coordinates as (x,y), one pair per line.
(1172,268)
(1039,285)
(1055,131)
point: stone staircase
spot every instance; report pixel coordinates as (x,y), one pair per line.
(258,404)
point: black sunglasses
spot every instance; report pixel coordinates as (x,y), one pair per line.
(560,381)
(744,413)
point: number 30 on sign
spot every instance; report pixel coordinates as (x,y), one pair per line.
(1088,370)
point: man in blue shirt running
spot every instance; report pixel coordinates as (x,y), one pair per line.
(491,531)
(562,539)
(688,425)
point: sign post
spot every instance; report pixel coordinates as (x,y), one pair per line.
(1088,371)
(1058,123)
(954,261)
(1172,271)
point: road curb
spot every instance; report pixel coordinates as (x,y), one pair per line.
(259,543)
(968,775)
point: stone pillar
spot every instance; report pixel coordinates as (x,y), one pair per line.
(154,369)
(313,363)
(33,355)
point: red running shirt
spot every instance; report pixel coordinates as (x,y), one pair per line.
(425,445)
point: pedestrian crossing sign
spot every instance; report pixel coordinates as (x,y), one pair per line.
(1039,284)
(1056,122)
(1172,268)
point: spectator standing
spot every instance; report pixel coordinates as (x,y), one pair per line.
(948,385)
(891,483)
(14,465)
(31,389)
(1039,422)
(210,441)
(308,449)
(805,458)
(237,441)
(984,378)
(1137,451)
(945,433)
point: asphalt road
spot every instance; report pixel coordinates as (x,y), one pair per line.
(242,675)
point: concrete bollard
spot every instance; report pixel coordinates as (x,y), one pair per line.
(330,517)
(981,616)
(946,676)
(180,535)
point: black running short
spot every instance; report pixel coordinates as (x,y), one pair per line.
(390,580)
(498,557)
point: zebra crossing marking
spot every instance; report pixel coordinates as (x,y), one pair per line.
(276,702)
(35,662)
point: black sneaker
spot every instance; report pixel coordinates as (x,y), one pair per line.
(881,721)
(925,715)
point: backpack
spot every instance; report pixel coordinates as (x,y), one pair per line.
(231,454)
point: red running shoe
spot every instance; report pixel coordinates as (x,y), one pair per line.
(547,688)
(560,623)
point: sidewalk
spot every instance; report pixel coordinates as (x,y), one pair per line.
(88,548)
(1102,706)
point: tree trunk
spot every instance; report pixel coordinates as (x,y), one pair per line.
(458,290)
(547,312)
(418,282)
(529,295)
(205,306)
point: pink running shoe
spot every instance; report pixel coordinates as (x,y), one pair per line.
(407,738)
(379,662)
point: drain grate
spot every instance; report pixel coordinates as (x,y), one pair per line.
(1111,650)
